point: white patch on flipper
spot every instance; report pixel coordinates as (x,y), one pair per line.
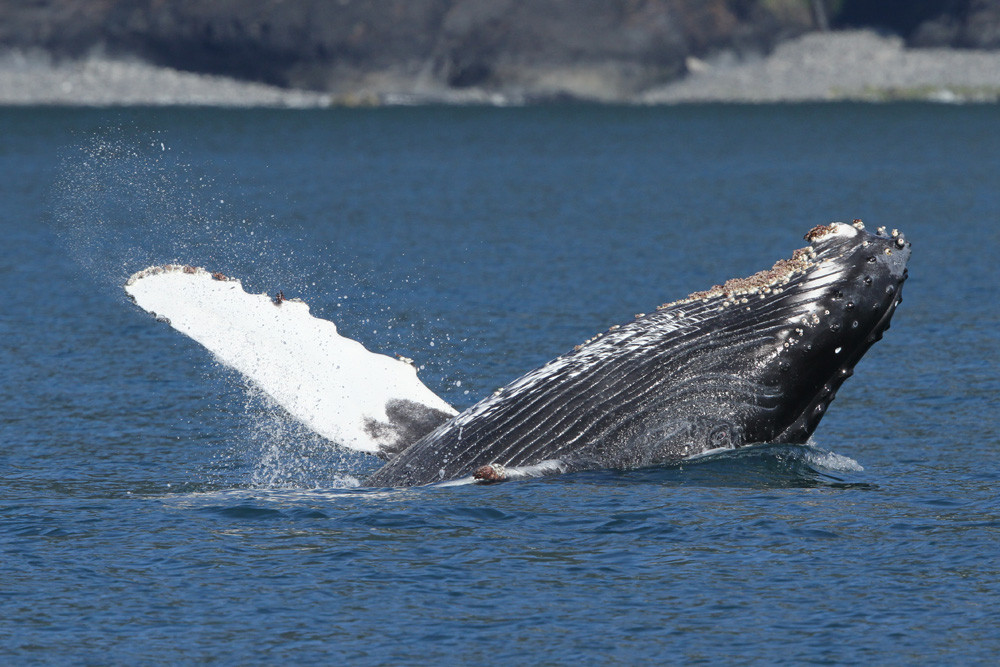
(332,384)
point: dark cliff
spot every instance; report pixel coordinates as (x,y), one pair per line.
(344,44)
(973,24)
(541,48)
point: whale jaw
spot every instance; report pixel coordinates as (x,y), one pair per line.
(758,359)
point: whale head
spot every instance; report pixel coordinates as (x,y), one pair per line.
(759,359)
(842,305)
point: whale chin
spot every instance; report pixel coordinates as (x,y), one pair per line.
(757,359)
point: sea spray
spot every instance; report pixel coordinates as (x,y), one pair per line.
(127,198)
(286,454)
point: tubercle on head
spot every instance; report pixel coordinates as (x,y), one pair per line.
(821,232)
(763,282)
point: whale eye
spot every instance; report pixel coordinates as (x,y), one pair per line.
(850,305)
(871,260)
(868,281)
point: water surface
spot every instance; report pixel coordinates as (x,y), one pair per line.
(154,509)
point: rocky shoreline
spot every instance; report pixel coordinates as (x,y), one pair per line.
(858,65)
(818,66)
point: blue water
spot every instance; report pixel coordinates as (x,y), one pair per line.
(155,509)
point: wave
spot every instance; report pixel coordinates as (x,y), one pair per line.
(772,465)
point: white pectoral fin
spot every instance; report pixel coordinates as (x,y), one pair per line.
(356,398)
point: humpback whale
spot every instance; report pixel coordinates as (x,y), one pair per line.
(755,360)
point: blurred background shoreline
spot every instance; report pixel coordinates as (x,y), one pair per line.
(497,52)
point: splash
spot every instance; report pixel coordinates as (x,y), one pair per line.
(809,453)
(831,461)
(287,455)
(126,199)
(772,465)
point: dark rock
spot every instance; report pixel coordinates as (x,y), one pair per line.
(929,23)
(614,46)
(976,26)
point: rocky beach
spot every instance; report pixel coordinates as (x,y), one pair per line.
(35,78)
(856,65)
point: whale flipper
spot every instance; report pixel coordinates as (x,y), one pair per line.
(360,399)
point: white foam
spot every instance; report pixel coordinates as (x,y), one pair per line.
(832,461)
(332,384)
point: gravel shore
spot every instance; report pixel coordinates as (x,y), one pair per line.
(36,79)
(852,65)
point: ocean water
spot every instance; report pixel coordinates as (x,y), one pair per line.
(153,508)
